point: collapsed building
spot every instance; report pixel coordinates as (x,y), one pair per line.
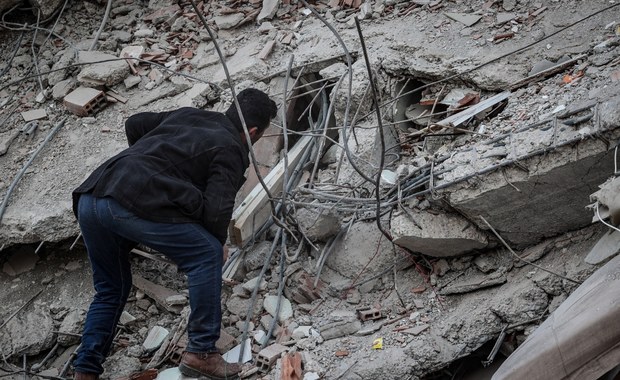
(417,211)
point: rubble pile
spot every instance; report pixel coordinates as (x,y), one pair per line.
(453,216)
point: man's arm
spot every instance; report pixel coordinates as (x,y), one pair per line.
(219,196)
(142,123)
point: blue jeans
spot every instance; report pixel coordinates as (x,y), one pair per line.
(110,232)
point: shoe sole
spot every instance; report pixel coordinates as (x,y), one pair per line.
(191,372)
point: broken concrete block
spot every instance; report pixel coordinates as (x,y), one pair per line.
(157,293)
(339,329)
(155,338)
(132,81)
(268,356)
(286,310)
(30,333)
(607,246)
(438,235)
(464,18)
(225,342)
(143,33)
(126,318)
(239,306)
(417,330)
(249,285)
(101,73)
(318,224)
(34,114)
(71,326)
(228,21)
(6,139)
(232,356)
(474,281)
(269,9)
(62,88)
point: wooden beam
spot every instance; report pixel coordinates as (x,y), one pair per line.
(254,210)
(461,117)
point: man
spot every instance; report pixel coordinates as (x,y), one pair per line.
(172,190)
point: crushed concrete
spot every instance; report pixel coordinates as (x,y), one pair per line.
(446,288)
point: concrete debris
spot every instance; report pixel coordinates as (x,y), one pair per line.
(268,10)
(71,327)
(232,356)
(437,235)
(473,282)
(268,356)
(607,246)
(464,18)
(339,329)
(36,114)
(285,312)
(106,69)
(155,338)
(229,21)
(318,225)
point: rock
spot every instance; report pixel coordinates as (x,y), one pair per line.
(255,257)
(301,332)
(62,88)
(485,263)
(474,281)
(108,73)
(249,285)
(541,66)
(30,333)
(417,330)
(132,81)
(503,18)
(228,21)
(142,33)
(437,235)
(464,18)
(120,365)
(6,139)
(286,310)
(351,254)
(155,338)
(72,325)
(122,36)
(318,224)
(269,9)
(339,329)
(176,300)
(239,306)
(610,113)
(61,60)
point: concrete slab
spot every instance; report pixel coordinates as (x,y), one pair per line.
(440,235)
(607,246)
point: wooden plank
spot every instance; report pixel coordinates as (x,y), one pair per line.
(254,210)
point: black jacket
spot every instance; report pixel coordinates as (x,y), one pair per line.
(183,166)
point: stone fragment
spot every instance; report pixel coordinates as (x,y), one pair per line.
(541,66)
(301,332)
(416,330)
(318,224)
(62,88)
(132,81)
(269,9)
(141,33)
(97,73)
(250,285)
(6,139)
(437,235)
(239,306)
(155,338)
(484,263)
(339,329)
(228,21)
(126,318)
(286,310)
(35,114)
(265,27)
(225,342)
(607,246)
(473,282)
(157,292)
(464,18)
(30,333)
(71,327)
(503,18)
(176,300)
(232,356)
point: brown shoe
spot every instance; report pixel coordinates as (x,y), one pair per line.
(210,365)
(85,376)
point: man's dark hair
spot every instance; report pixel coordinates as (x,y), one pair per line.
(256,107)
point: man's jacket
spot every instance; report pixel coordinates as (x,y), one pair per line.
(183,166)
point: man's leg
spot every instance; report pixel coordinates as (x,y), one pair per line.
(108,254)
(199,255)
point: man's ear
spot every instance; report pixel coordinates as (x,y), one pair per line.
(253,131)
